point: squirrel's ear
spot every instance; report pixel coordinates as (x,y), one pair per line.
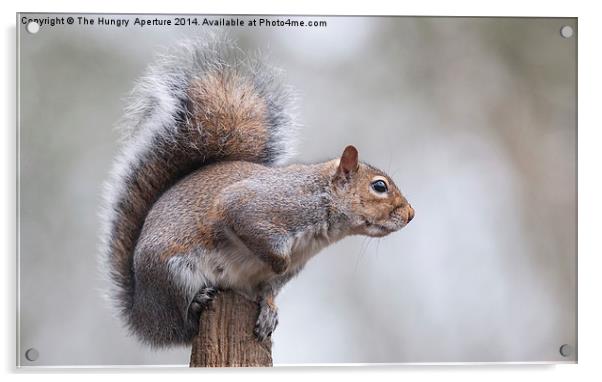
(349,162)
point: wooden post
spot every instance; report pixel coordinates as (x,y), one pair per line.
(226,336)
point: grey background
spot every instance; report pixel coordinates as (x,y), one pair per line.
(475,119)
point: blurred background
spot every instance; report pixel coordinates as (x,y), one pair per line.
(474,118)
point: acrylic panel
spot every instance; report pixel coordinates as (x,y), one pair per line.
(473,118)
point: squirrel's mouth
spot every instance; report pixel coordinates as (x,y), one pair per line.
(379,230)
(367,223)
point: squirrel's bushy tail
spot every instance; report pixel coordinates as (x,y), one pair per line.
(202,102)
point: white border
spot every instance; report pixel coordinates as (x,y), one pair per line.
(589,183)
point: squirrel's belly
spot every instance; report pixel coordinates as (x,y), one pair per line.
(226,268)
(235,268)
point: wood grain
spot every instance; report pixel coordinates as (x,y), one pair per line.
(226,336)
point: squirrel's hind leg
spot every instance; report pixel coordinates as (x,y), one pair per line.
(267,320)
(268,315)
(199,302)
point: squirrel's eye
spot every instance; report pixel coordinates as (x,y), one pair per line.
(379,186)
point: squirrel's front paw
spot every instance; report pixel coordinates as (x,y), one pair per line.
(266,322)
(280,264)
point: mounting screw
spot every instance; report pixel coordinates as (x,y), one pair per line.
(33,27)
(566,350)
(32,354)
(566,31)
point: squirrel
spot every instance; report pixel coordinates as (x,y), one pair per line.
(199,199)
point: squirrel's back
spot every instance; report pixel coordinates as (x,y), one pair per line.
(200,103)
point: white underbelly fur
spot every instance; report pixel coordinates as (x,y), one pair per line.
(239,269)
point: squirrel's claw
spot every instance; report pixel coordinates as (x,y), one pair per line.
(201,300)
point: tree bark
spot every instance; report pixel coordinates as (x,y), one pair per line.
(226,337)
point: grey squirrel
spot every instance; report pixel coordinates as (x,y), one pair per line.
(199,199)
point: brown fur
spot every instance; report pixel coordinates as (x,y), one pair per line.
(231,112)
(269,299)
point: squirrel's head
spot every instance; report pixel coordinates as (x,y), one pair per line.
(368,197)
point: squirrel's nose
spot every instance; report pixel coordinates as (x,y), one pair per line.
(410,213)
